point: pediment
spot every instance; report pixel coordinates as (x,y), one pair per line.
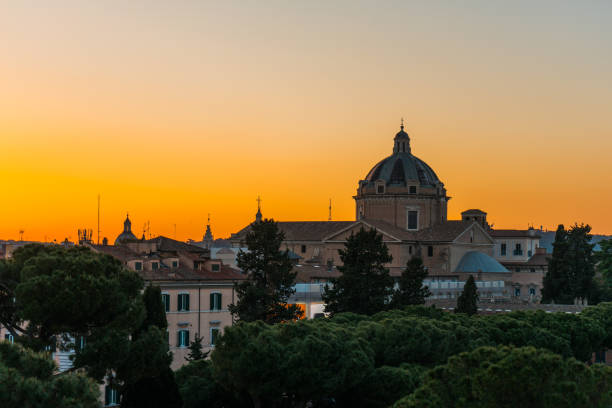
(343,234)
(474,234)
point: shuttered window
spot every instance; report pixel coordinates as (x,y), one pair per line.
(166,301)
(214,335)
(215,301)
(182,339)
(183,302)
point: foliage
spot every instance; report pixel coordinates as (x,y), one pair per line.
(195,350)
(603,257)
(299,361)
(199,388)
(467,302)
(512,377)
(27,380)
(61,290)
(365,285)
(602,315)
(270,280)
(411,290)
(572,268)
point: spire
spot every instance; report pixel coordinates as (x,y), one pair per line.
(258,215)
(329,218)
(208,236)
(402,125)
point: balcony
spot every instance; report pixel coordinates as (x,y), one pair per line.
(518,252)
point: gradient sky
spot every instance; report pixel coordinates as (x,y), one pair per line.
(175,109)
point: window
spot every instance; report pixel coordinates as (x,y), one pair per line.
(216,267)
(503,249)
(413,219)
(412,190)
(182,338)
(600,356)
(166,301)
(518,269)
(430,251)
(183,302)
(518,250)
(9,337)
(529,253)
(111,396)
(410,249)
(215,301)
(138,266)
(380,189)
(175,264)
(214,335)
(303,249)
(517,292)
(154,266)
(532,291)
(532,270)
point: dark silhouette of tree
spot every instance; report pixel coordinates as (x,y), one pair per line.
(365,285)
(27,380)
(512,377)
(572,268)
(270,277)
(411,290)
(467,302)
(195,350)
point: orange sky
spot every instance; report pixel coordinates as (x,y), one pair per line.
(173,110)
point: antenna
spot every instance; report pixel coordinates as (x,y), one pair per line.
(258,203)
(174,231)
(98,240)
(21,235)
(329,218)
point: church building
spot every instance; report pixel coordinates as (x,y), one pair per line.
(405,201)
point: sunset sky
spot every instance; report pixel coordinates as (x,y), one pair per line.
(175,109)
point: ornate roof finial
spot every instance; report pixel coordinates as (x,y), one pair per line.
(208,218)
(402,125)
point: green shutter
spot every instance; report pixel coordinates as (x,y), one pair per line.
(186,337)
(212,301)
(107,395)
(178,338)
(218,301)
(186,302)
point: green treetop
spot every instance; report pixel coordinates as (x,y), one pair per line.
(572,268)
(411,290)
(467,302)
(270,279)
(365,285)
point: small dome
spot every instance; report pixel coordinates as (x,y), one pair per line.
(126,235)
(475,262)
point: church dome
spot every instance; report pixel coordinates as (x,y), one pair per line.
(126,235)
(402,166)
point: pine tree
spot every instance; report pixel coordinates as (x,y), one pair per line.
(467,302)
(270,279)
(411,290)
(365,286)
(195,350)
(572,268)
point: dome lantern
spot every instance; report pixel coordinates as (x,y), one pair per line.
(401,141)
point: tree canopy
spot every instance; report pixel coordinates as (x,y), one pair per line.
(365,286)
(512,377)
(270,279)
(572,268)
(27,380)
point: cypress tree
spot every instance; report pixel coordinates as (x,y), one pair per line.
(467,302)
(411,290)
(572,268)
(365,286)
(270,277)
